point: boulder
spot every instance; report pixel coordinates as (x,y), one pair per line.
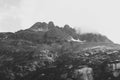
(83,73)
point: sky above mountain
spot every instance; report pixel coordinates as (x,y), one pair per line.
(101,16)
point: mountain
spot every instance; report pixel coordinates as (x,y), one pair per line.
(91,37)
(46,51)
(42,32)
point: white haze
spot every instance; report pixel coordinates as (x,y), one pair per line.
(101,16)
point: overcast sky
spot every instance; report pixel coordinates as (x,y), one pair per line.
(101,16)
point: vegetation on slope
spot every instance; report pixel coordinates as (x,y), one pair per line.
(45,52)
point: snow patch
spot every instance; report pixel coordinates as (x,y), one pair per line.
(75,40)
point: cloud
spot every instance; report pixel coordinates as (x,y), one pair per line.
(9,23)
(9,15)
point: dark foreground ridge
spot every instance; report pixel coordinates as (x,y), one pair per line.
(49,52)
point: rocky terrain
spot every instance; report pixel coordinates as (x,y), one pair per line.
(46,51)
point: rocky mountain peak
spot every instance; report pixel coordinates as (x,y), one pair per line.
(39,26)
(51,24)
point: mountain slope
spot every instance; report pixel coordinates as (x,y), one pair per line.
(45,52)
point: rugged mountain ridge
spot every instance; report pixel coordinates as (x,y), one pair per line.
(42,32)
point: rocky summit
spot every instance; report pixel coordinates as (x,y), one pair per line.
(49,52)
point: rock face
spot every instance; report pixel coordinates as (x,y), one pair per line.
(39,27)
(114,67)
(85,73)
